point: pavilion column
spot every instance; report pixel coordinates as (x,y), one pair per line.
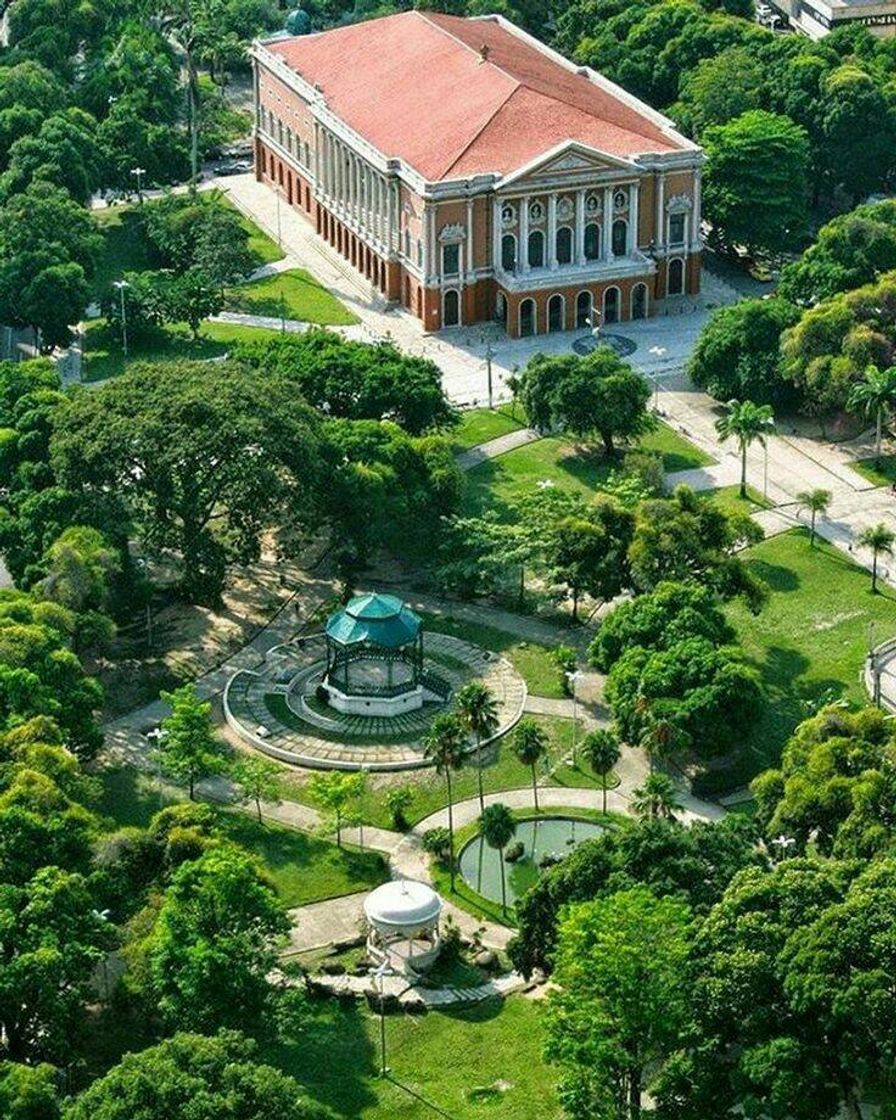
(496,234)
(607,247)
(660,231)
(524,233)
(469,263)
(696,212)
(579,255)
(633,219)
(552,231)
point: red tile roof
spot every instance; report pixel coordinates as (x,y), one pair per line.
(416,87)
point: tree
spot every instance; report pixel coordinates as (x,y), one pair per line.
(204,457)
(662,736)
(217,1078)
(601,751)
(880,540)
(214,942)
(28,1092)
(63,152)
(530,745)
(191,298)
(398,799)
(189,749)
(850,95)
(718,89)
(815,501)
(875,395)
(747,423)
(737,351)
(51,939)
(656,797)
(498,828)
(477,707)
(756,181)
(597,395)
(445,745)
(258,779)
(621,1002)
(590,554)
(334,791)
(79,565)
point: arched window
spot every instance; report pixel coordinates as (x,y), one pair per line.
(450,308)
(564,245)
(508,252)
(675,282)
(611,305)
(527,318)
(620,237)
(592,241)
(536,249)
(555,313)
(639,301)
(583,309)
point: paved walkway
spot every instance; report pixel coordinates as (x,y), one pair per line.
(495,447)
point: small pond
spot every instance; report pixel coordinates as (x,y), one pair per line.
(480,865)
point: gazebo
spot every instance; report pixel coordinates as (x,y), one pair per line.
(403,925)
(374,657)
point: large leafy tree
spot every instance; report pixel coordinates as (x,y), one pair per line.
(756,182)
(217,1078)
(29,1092)
(855,159)
(214,942)
(189,747)
(589,554)
(621,1002)
(204,456)
(599,395)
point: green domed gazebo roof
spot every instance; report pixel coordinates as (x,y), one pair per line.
(379,620)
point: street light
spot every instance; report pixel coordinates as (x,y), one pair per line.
(489,354)
(121,285)
(139,172)
(573,676)
(659,352)
(381,974)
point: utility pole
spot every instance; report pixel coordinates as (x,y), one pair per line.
(139,172)
(121,285)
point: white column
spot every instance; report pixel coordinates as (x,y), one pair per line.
(524,233)
(469,263)
(579,256)
(394,215)
(496,234)
(552,231)
(696,213)
(607,247)
(633,219)
(661,211)
(340,174)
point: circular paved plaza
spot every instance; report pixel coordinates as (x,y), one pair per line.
(277,708)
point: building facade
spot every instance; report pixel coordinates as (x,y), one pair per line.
(472,174)
(816,18)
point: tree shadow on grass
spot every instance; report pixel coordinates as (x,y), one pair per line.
(128,796)
(776,576)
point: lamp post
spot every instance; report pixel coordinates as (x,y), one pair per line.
(139,172)
(381,973)
(573,677)
(489,354)
(121,285)
(658,352)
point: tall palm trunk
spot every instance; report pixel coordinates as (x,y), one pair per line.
(503,883)
(603,786)
(450,830)
(873,574)
(743,468)
(534,788)
(479,772)
(878,435)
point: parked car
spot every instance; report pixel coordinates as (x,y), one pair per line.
(233,167)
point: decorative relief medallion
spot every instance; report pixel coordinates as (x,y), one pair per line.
(565,208)
(508,215)
(536,212)
(593,204)
(620,200)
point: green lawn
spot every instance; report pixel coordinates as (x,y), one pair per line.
(104,357)
(500,484)
(728,497)
(303,868)
(809,641)
(124,248)
(294,294)
(479,425)
(484,1063)
(264,247)
(883,474)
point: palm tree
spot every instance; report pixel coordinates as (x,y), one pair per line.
(601,751)
(498,828)
(477,709)
(444,745)
(815,501)
(530,745)
(658,797)
(880,540)
(747,422)
(662,737)
(875,395)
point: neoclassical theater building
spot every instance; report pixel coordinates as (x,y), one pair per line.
(472,174)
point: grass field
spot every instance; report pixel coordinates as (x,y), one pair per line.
(499,484)
(303,868)
(728,497)
(883,474)
(480,1064)
(294,294)
(809,641)
(103,356)
(479,425)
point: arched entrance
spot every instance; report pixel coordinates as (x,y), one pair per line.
(584,303)
(450,308)
(527,318)
(675,280)
(611,305)
(639,301)
(555,313)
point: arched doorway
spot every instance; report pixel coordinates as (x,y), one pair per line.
(639,301)
(584,304)
(563,247)
(675,281)
(528,324)
(611,305)
(592,241)
(620,237)
(536,249)
(450,308)
(508,252)
(555,313)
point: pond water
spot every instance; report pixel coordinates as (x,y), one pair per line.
(480,865)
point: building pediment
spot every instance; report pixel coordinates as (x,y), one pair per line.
(573,163)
